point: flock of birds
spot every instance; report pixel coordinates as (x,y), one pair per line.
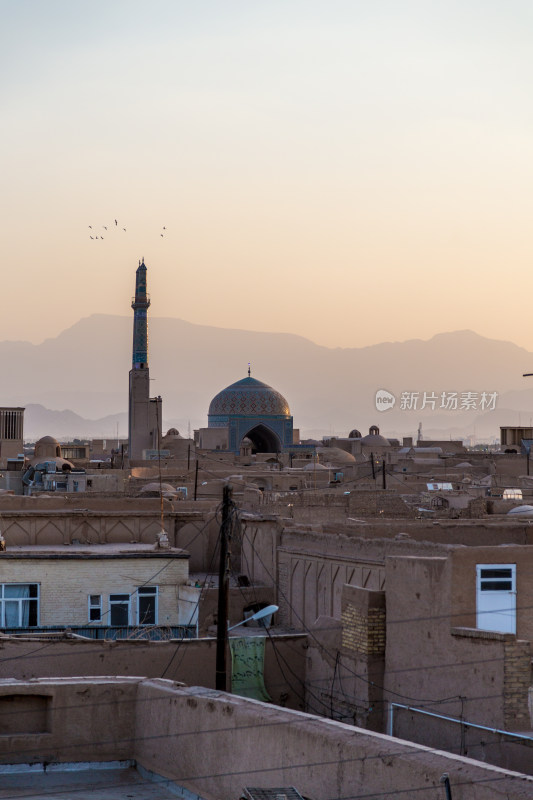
(115,227)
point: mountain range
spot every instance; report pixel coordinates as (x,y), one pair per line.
(76,383)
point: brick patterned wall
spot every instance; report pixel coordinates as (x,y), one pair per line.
(363,502)
(363,630)
(63,527)
(283,593)
(66,584)
(371,502)
(516,683)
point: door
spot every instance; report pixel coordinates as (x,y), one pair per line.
(496,597)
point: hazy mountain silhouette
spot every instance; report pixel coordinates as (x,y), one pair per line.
(85,369)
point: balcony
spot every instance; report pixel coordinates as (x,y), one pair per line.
(154,633)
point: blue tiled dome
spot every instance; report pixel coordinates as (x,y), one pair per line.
(249,397)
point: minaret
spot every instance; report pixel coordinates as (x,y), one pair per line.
(140,304)
(144,429)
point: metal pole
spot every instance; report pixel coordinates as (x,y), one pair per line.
(447,788)
(384,474)
(372,462)
(159,426)
(223,585)
(196,480)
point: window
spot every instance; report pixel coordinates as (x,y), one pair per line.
(147,605)
(19,605)
(119,609)
(496,597)
(512,494)
(95,608)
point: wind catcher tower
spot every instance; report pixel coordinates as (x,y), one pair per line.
(144,423)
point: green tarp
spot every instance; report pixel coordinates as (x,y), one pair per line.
(247,667)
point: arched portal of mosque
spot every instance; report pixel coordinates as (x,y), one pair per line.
(263,440)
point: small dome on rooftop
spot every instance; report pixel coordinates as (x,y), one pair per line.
(374,438)
(525,511)
(336,455)
(47,440)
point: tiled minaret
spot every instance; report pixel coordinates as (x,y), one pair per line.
(140,304)
(144,412)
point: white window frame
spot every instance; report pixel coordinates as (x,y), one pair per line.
(505,610)
(148,591)
(125,599)
(20,601)
(91,605)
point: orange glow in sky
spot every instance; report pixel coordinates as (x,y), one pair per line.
(353,172)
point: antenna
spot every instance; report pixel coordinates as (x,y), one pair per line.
(249,370)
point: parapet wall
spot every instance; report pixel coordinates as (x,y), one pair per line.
(214,744)
(190,661)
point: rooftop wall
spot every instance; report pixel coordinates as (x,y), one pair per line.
(214,743)
(191,661)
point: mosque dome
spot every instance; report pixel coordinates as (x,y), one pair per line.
(249,397)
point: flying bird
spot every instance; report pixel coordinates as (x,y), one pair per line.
(116,223)
(104,227)
(161,235)
(90,226)
(164,228)
(91,237)
(123,229)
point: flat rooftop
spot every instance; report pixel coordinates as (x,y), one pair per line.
(118,550)
(98,782)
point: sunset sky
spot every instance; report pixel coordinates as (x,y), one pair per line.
(351,171)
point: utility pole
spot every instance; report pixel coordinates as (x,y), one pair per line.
(159,425)
(373,470)
(383,473)
(223,593)
(196,480)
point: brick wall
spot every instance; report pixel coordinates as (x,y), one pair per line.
(516,683)
(66,583)
(363,621)
(283,593)
(363,632)
(371,502)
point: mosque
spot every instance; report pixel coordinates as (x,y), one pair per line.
(247,417)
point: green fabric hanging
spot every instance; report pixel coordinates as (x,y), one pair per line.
(247,667)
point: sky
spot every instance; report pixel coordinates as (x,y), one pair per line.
(350,171)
